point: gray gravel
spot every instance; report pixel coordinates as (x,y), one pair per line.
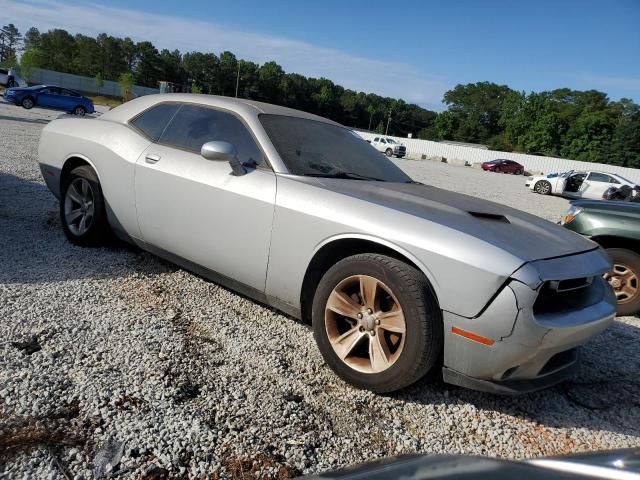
(111,352)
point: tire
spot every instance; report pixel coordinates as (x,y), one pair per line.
(625,280)
(542,187)
(389,152)
(518,172)
(80,111)
(77,203)
(411,355)
(27,103)
(498,170)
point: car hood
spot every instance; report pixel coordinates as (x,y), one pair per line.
(523,235)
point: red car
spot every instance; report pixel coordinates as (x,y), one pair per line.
(505,166)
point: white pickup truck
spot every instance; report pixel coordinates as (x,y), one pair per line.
(16,80)
(389,147)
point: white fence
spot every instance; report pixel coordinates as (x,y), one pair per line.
(420,149)
(83,84)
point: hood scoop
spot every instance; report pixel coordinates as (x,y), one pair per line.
(493,217)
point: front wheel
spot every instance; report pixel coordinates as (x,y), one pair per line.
(28,103)
(518,172)
(624,278)
(542,187)
(377,323)
(82,208)
(389,152)
(79,110)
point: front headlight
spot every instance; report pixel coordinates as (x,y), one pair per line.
(571,214)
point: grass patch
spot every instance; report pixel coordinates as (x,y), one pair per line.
(104,100)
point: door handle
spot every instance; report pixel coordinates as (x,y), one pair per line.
(152,158)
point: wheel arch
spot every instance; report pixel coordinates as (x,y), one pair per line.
(334,249)
(72,161)
(611,241)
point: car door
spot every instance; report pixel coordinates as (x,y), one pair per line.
(196,209)
(573,184)
(68,99)
(49,97)
(595,185)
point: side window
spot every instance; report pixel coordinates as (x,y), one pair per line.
(70,93)
(193,126)
(377,139)
(382,140)
(153,121)
(613,180)
(599,177)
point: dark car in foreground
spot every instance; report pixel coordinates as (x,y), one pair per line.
(614,464)
(50,96)
(504,166)
(616,227)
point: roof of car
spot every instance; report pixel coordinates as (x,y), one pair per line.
(125,112)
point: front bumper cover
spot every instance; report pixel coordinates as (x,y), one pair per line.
(529,347)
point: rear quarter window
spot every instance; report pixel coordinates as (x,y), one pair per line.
(153,121)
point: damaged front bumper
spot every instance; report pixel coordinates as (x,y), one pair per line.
(527,337)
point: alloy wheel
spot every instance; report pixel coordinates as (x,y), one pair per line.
(365,324)
(79,206)
(624,282)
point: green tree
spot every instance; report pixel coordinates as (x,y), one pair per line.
(10,42)
(99,82)
(126,86)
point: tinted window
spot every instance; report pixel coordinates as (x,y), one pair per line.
(193,126)
(309,147)
(70,93)
(153,121)
(51,90)
(599,177)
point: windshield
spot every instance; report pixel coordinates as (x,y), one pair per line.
(309,147)
(391,140)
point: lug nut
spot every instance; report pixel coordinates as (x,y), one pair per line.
(359,316)
(361,329)
(377,321)
(372,333)
(369,311)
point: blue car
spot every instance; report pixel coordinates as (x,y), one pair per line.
(50,96)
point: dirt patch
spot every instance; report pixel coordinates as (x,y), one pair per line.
(258,467)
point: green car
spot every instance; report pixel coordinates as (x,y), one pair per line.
(616,227)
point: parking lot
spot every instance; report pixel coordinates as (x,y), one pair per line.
(177,376)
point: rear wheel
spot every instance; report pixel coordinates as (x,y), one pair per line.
(28,103)
(625,280)
(542,187)
(377,323)
(82,208)
(498,170)
(518,172)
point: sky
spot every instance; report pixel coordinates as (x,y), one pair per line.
(415,50)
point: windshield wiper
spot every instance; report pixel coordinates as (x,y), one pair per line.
(341,174)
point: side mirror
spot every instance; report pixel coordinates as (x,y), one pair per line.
(223,151)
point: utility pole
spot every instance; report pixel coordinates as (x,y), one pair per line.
(370,120)
(238,79)
(386,132)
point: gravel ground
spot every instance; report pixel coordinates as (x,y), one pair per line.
(114,363)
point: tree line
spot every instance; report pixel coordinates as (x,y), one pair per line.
(582,125)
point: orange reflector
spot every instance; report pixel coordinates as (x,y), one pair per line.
(472,336)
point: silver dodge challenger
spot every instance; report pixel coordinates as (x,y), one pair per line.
(398,278)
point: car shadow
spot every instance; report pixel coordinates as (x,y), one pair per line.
(603,395)
(34,248)
(40,121)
